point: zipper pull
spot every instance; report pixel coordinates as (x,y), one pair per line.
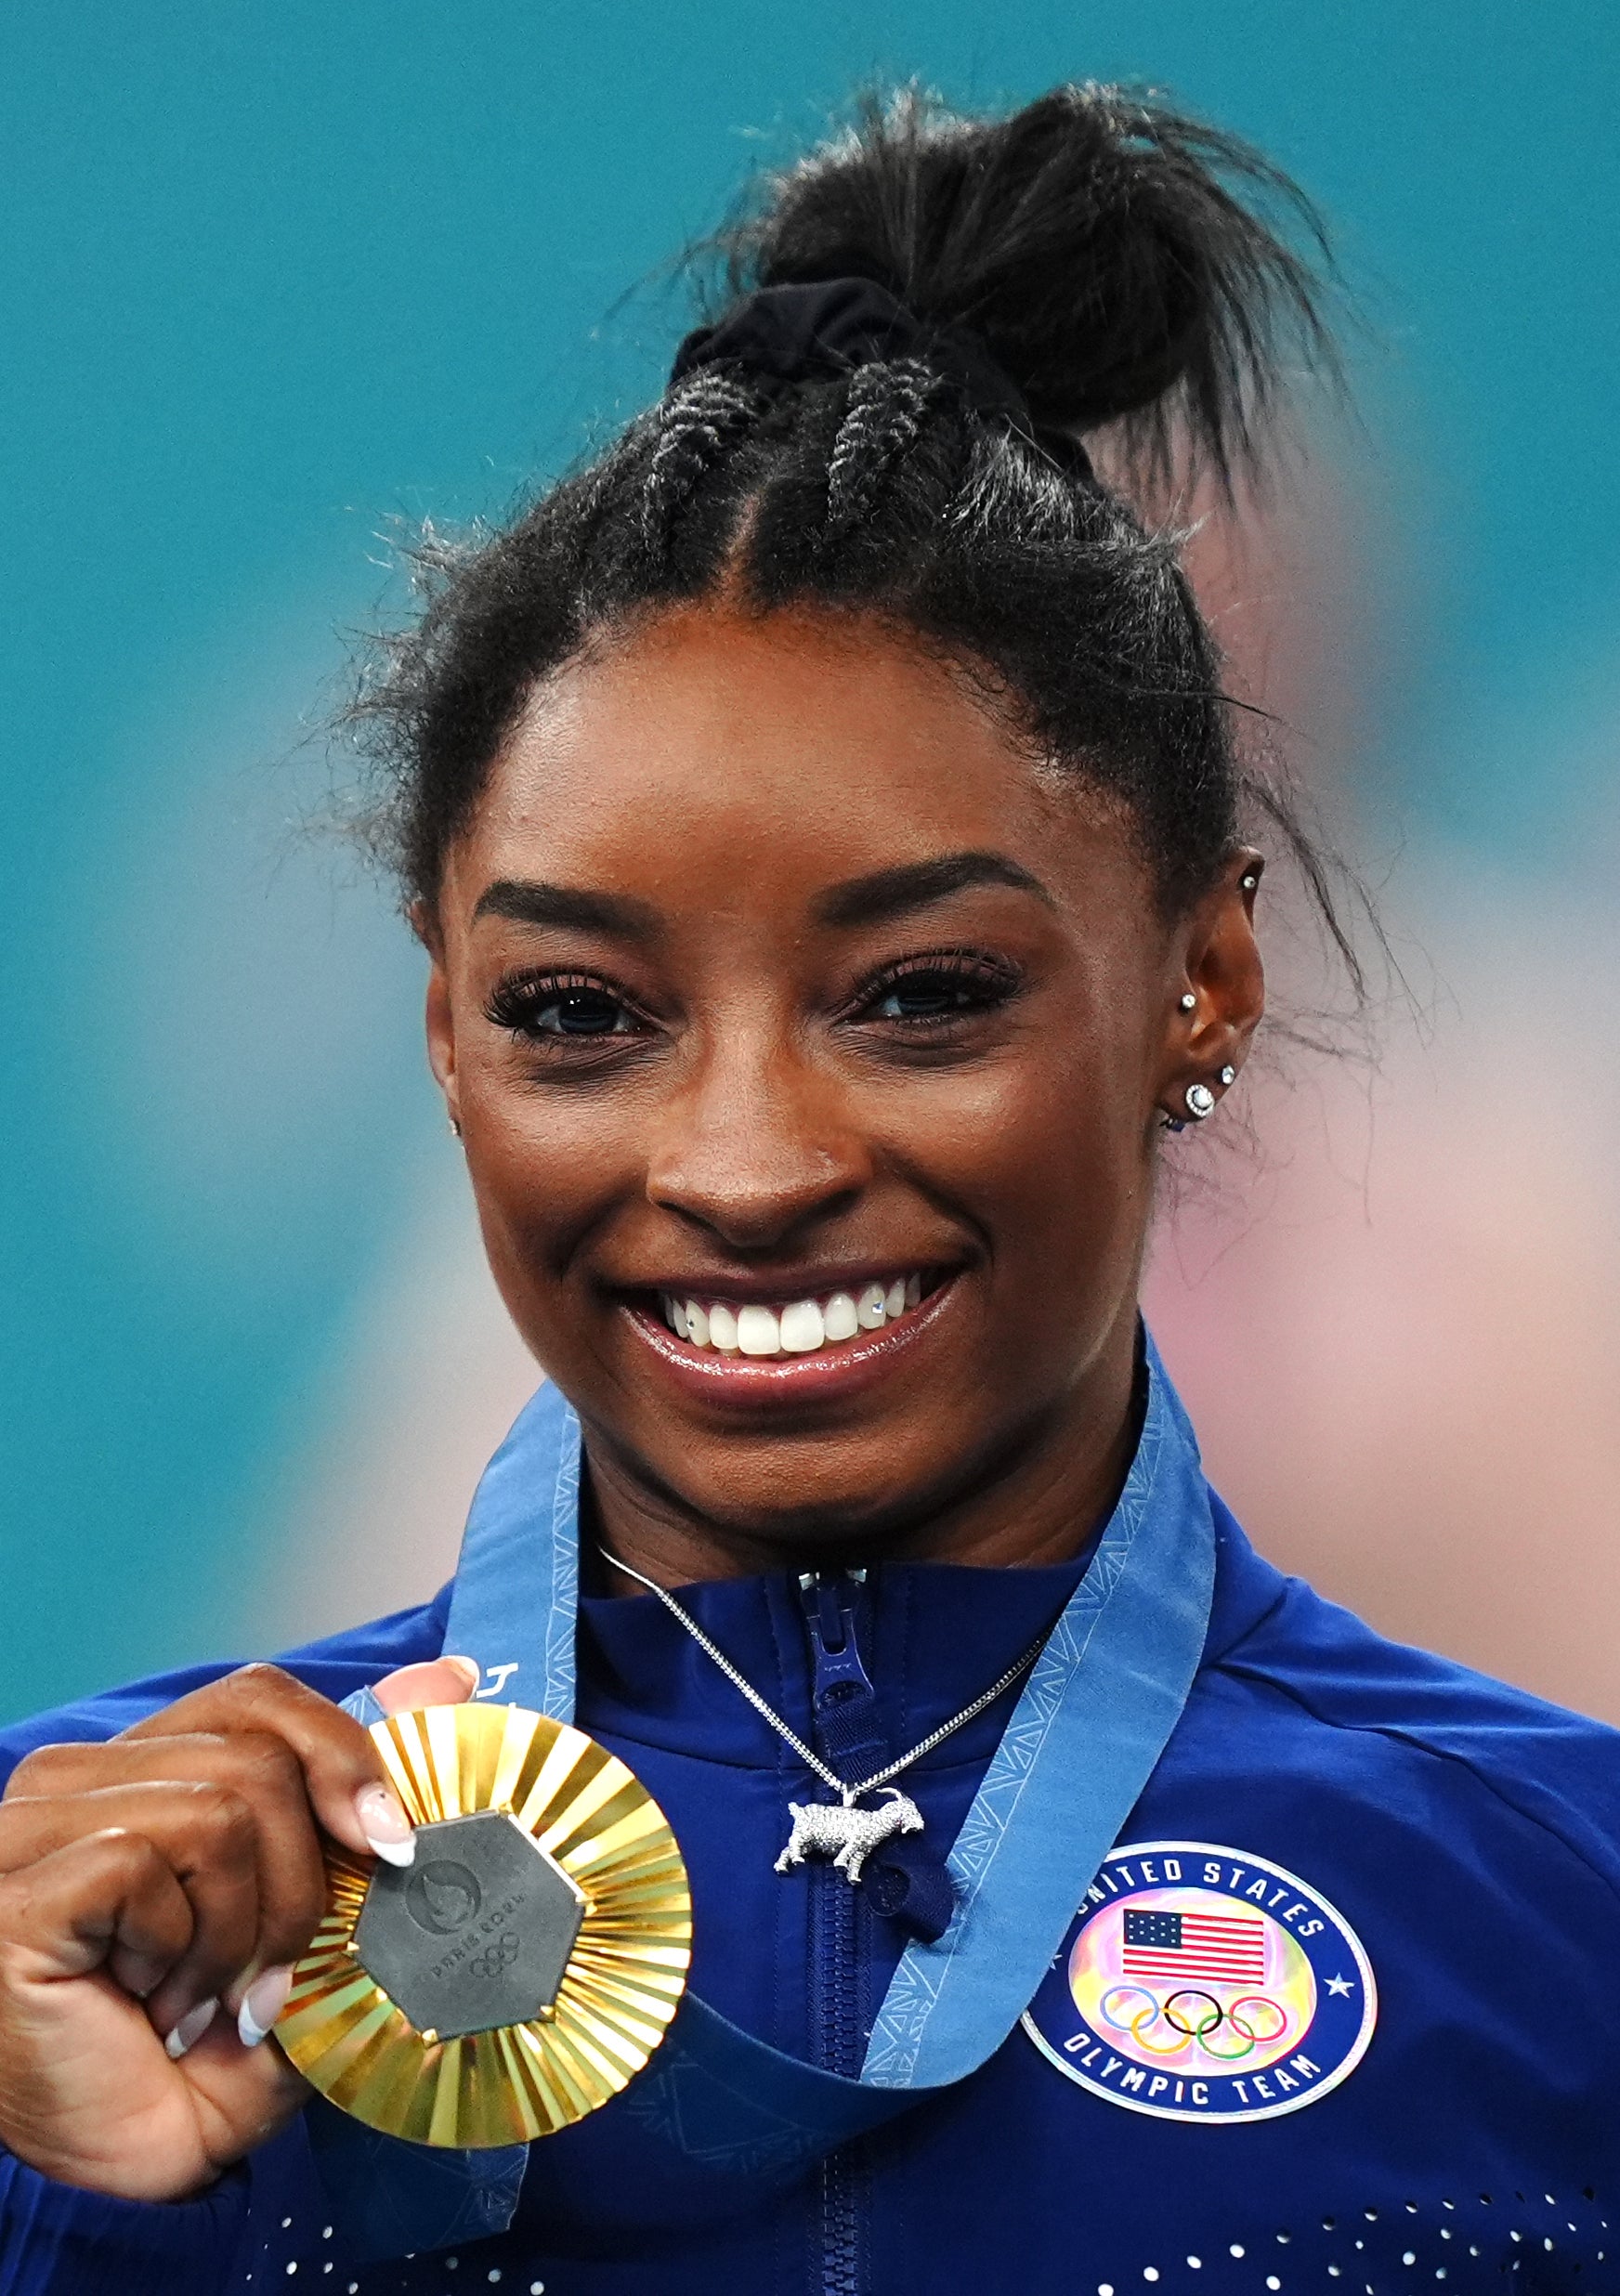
(842,1698)
(839,1674)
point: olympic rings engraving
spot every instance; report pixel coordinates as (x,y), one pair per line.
(499,1954)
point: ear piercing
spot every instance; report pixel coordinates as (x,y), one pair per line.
(1250,882)
(455,1126)
(1189,1002)
(1200,1103)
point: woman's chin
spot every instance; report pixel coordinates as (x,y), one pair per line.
(852,1491)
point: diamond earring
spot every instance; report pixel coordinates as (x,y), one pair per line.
(1200,1102)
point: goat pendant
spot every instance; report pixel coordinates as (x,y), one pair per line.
(845,1834)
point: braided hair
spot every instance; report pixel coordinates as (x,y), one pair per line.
(1094,259)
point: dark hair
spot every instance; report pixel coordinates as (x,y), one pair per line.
(1093,249)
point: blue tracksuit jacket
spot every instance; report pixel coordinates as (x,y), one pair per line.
(1333,1816)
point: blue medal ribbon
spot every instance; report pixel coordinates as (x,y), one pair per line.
(1086,1735)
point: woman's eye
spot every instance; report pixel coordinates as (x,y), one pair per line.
(551,1010)
(580,1012)
(937,993)
(925,995)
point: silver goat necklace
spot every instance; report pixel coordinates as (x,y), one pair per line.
(840,1831)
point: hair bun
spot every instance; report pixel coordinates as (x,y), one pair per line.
(1116,257)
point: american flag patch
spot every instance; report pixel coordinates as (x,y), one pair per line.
(1228,1949)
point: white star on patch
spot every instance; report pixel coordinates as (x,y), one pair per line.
(1340,1984)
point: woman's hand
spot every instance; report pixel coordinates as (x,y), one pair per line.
(154,1893)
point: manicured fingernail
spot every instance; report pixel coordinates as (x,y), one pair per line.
(469,1668)
(261,2004)
(190,2029)
(385,1826)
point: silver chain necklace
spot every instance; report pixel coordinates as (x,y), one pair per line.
(844,1833)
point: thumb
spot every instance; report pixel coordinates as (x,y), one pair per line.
(433,1682)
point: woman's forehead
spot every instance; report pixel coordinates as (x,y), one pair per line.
(816,747)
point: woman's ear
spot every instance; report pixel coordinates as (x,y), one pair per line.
(440,1023)
(1217,998)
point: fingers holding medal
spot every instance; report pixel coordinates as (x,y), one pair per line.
(154,1891)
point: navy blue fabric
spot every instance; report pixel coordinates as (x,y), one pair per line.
(1470,1836)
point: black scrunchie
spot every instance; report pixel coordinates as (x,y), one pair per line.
(834,325)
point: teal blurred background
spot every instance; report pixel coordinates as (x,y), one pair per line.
(278,278)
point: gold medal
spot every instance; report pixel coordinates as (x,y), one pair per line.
(525,1966)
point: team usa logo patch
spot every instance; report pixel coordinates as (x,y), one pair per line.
(1200,1984)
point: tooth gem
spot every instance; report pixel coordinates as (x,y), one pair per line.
(697,1325)
(871,1312)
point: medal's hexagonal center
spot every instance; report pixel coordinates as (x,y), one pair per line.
(476,1933)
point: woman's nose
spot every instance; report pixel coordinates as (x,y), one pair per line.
(756,1151)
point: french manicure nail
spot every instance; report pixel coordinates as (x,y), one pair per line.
(385,1826)
(261,2004)
(190,2029)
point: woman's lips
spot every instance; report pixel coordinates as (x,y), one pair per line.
(822,1368)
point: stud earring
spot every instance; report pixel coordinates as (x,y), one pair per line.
(1200,1102)
(1229,1075)
(1189,1002)
(1250,883)
(455,1126)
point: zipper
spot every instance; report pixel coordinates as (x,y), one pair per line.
(843,1716)
(843,1701)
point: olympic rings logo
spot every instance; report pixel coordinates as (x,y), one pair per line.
(1248,2021)
(500,1955)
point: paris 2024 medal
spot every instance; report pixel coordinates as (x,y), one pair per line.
(527,1963)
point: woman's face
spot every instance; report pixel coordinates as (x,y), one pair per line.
(772,979)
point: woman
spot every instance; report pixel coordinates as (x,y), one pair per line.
(822,818)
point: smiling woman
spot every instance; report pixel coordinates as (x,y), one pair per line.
(827,994)
(826,827)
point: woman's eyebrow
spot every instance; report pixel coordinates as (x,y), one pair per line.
(889,893)
(529,901)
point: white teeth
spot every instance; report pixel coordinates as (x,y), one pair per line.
(802,1327)
(798,1328)
(871,1309)
(758,1332)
